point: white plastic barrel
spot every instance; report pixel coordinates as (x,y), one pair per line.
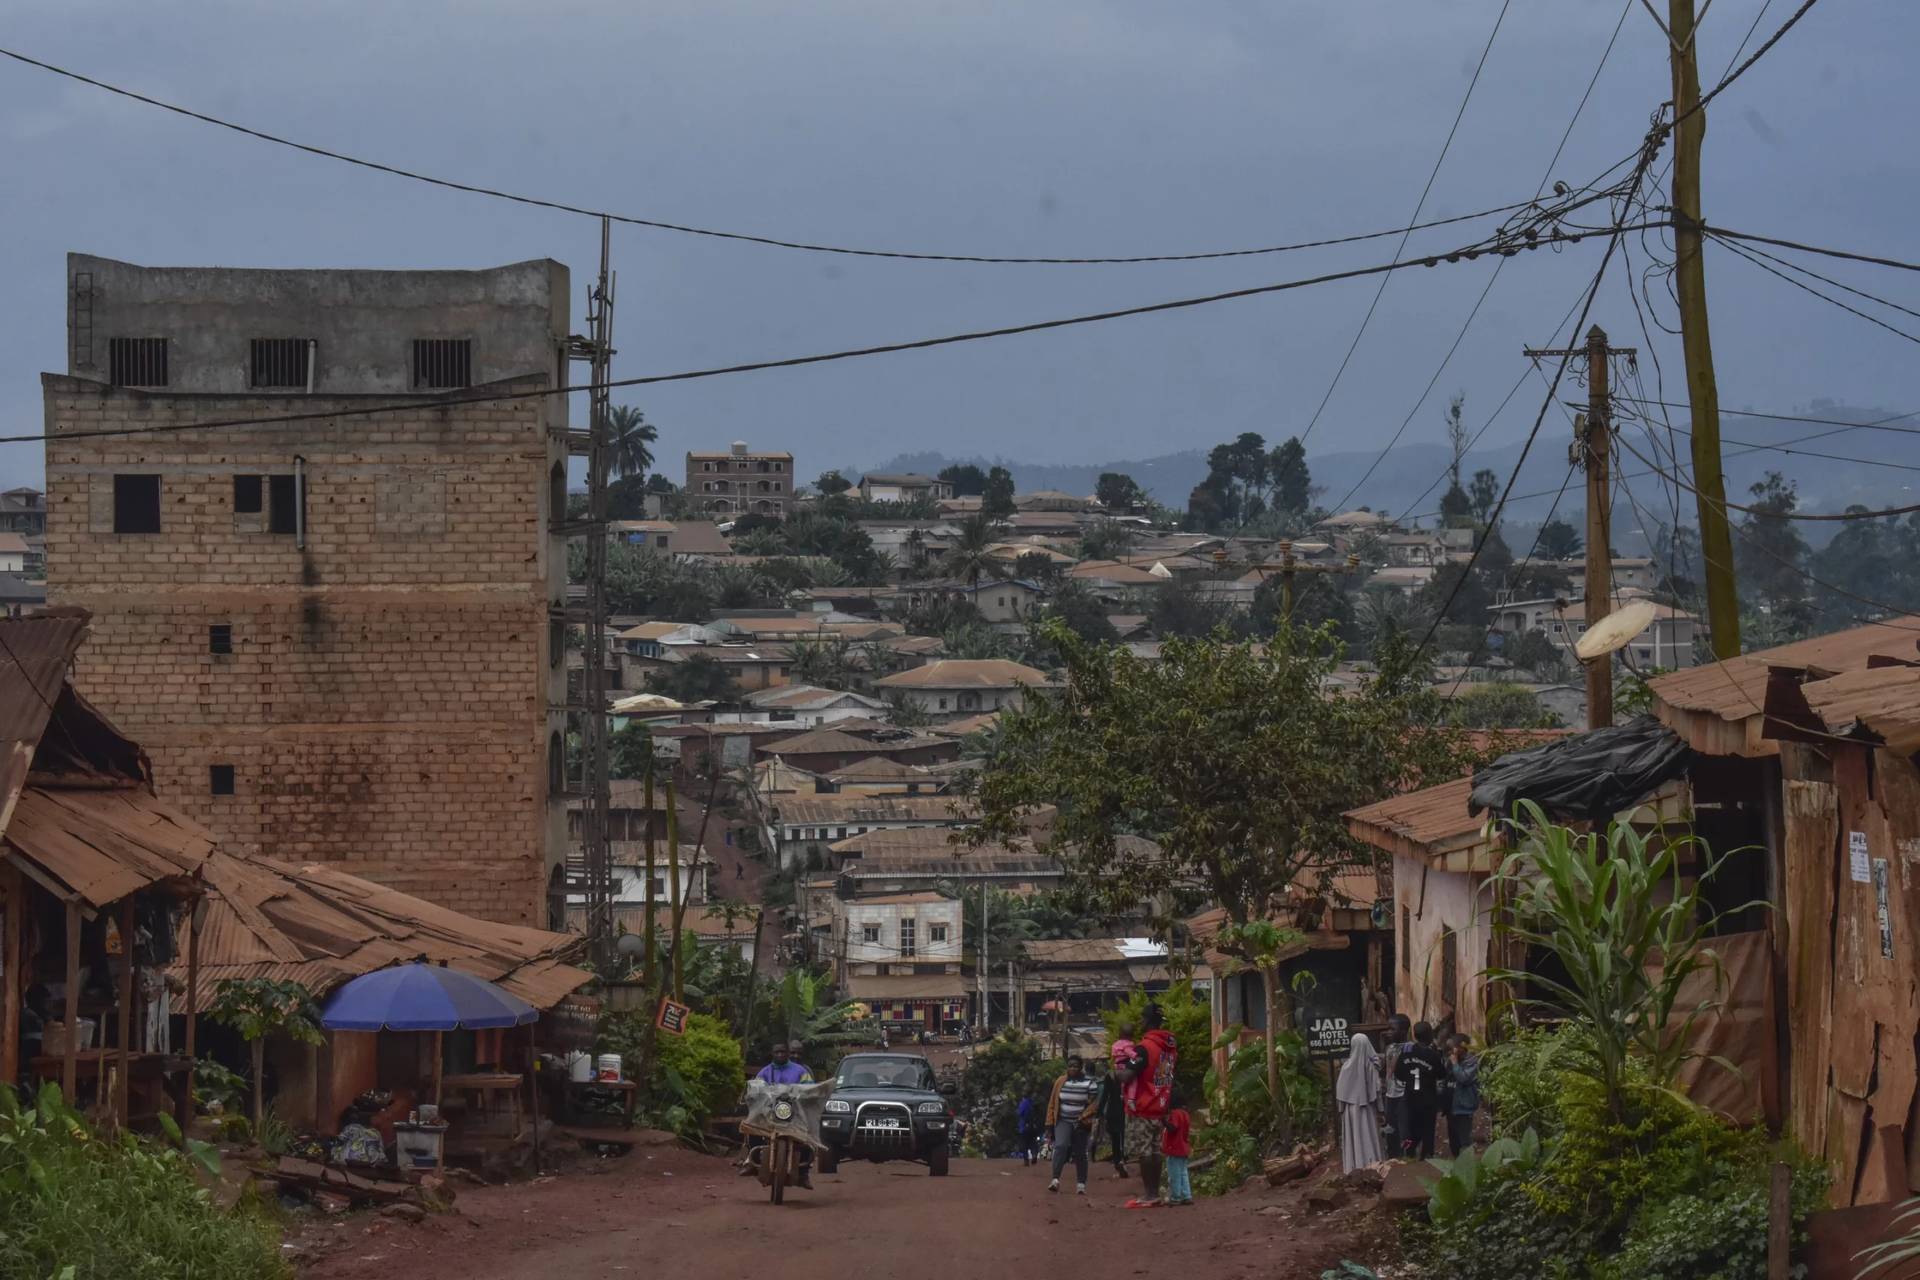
(579,1067)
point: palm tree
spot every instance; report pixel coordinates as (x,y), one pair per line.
(971,554)
(632,437)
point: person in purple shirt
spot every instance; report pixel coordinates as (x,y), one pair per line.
(783,1069)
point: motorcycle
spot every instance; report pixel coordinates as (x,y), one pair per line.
(787,1119)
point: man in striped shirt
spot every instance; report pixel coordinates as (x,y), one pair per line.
(1070,1116)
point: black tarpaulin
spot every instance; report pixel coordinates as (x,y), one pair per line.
(1589,777)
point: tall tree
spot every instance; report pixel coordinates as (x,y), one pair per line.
(971,556)
(1292,481)
(1237,761)
(1559,540)
(633,440)
(1116,491)
(1483,491)
(996,498)
(967,479)
(830,483)
(1456,507)
(1770,553)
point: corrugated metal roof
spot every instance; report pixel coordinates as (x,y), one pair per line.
(1883,701)
(964,673)
(918,986)
(106,844)
(844,809)
(34,659)
(1736,688)
(1429,817)
(322,926)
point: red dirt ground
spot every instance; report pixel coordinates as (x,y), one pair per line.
(666,1211)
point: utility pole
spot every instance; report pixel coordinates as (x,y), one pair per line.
(1593,449)
(1287,566)
(985,1022)
(1696,343)
(597,349)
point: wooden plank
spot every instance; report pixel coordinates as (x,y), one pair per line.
(70,1067)
(11,884)
(1883,1166)
(1846,1125)
(1812,825)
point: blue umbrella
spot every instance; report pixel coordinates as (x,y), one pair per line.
(423,997)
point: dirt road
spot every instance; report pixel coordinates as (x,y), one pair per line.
(670,1212)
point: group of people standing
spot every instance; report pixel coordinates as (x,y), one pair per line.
(1390,1103)
(1133,1101)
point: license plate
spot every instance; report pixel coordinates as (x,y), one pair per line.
(884,1122)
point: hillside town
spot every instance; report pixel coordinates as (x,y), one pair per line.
(477,802)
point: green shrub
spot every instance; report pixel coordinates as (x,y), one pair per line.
(999,1072)
(85,1206)
(1189,1017)
(1247,1106)
(1236,1157)
(693,1077)
(1642,1185)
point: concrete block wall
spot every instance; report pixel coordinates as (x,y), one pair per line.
(387,704)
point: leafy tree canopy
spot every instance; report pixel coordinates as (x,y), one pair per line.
(968,480)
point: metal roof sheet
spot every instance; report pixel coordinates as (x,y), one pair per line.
(105,844)
(965,673)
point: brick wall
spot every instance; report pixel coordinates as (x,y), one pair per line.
(385,706)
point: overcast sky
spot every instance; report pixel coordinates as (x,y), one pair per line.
(1049,127)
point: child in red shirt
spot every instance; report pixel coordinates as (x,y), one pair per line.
(1176,1145)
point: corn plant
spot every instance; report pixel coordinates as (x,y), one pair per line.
(1629,930)
(1898,1257)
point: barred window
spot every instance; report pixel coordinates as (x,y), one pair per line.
(137,362)
(280,362)
(442,362)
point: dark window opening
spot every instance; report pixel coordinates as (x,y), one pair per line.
(282,503)
(557,494)
(280,362)
(220,637)
(220,779)
(442,362)
(246,495)
(137,362)
(1406,939)
(1449,969)
(136,504)
(556,765)
(556,643)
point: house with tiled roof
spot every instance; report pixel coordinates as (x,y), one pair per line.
(954,688)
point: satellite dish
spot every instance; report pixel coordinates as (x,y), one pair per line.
(1613,631)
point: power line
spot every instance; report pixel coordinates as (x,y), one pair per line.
(1425,191)
(1777,243)
(789,362)
(1879,424)
(1741,253)
(1842,517)
(1493,518)
(746,237)
(1479,302)
(1809,271)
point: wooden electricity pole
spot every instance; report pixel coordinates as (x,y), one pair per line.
(1690,284)
(1593,444)
(1287,566)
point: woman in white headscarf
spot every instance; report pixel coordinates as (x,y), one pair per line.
(1358,1093)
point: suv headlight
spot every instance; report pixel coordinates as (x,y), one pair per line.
(932,1108)
(838,1104)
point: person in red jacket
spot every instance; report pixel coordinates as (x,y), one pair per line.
(1148,1096)
(1176,1145)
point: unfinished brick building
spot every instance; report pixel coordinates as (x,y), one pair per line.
(337,637)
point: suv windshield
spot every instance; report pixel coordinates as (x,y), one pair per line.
(871,1071)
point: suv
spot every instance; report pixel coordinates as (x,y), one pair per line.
(886,1106)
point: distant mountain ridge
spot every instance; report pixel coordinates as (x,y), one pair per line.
(1408,482)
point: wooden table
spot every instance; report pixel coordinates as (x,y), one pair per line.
(144,1069)
(576,1088)
(486,1086)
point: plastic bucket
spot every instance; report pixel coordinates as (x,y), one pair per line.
(610,1066)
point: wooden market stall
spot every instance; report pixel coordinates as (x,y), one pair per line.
(97,875)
